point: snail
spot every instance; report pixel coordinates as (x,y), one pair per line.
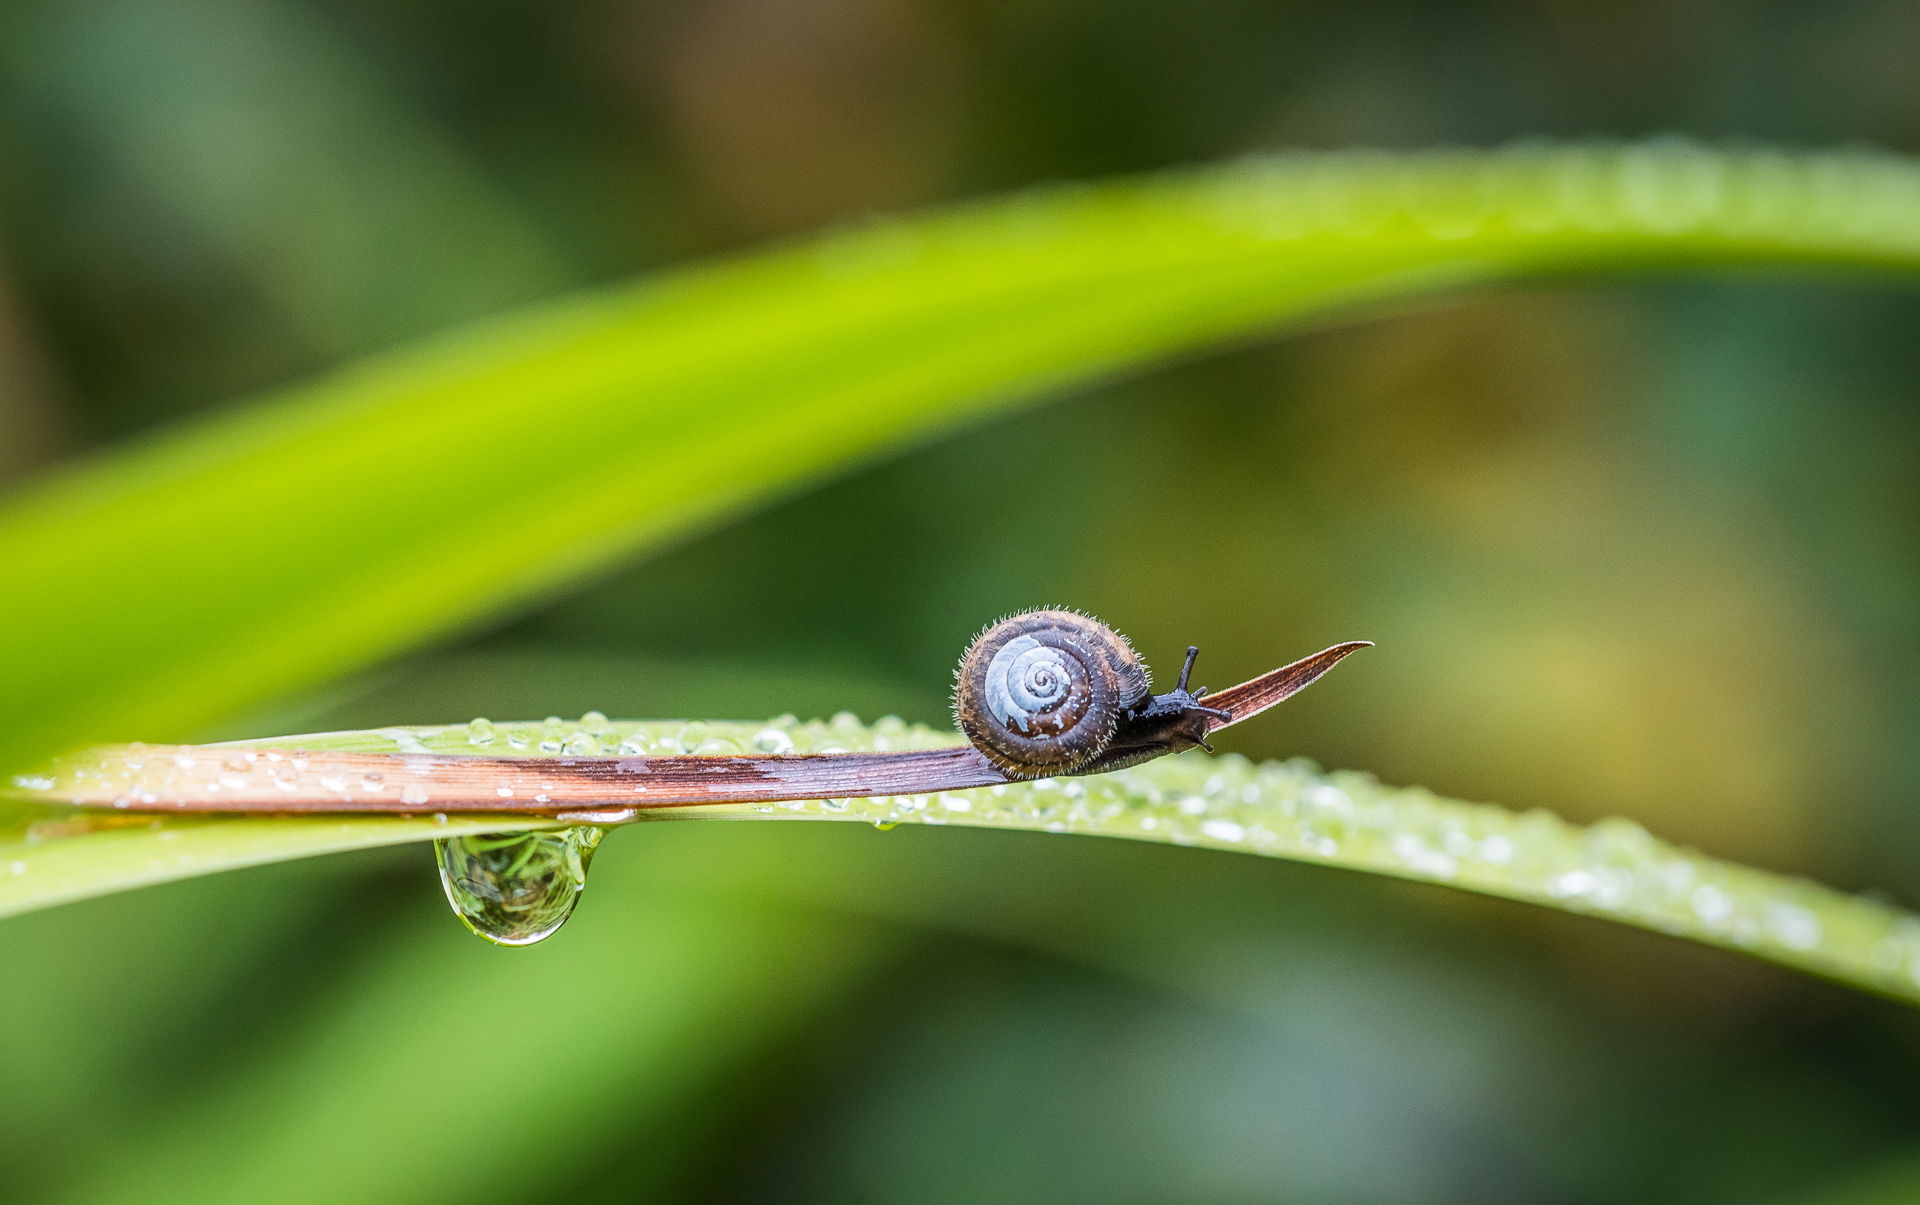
(1056,692)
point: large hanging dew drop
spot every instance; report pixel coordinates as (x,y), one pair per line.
(516,888)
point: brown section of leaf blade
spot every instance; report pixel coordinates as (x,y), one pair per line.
(419,784)
(1250,698)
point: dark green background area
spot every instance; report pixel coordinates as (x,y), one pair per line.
(1628,547)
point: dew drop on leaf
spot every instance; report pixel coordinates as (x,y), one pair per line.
(515,889)
(479,731)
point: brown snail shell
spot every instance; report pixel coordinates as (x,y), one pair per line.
(1044,692)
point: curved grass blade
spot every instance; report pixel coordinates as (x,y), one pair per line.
(1614,870)
(161,587)
(241,777)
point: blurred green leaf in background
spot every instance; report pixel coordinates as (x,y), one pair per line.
(1634,548)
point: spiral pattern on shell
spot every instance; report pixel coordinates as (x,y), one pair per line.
(1042,692)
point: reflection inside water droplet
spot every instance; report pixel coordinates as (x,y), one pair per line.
(515,889)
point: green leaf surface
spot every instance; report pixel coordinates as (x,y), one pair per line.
(265,549)
(1614,869)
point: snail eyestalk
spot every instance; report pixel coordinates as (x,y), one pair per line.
(1193,697)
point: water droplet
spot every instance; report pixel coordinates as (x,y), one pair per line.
(1571,884)
(1794,925)
(517,740)
(413,792)
(515,889)
(406,739)
(479,731)
(580,744)
(550,745)
(1419,856)
(593,718)
(1711,904)
(599,816)
(772,740)
(373,780)
(1223,830)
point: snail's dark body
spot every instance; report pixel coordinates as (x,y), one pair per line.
(1055,692)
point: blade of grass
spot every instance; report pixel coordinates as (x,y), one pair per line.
(1614,870)
(161,587)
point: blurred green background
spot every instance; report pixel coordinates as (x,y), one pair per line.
(1636,547)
